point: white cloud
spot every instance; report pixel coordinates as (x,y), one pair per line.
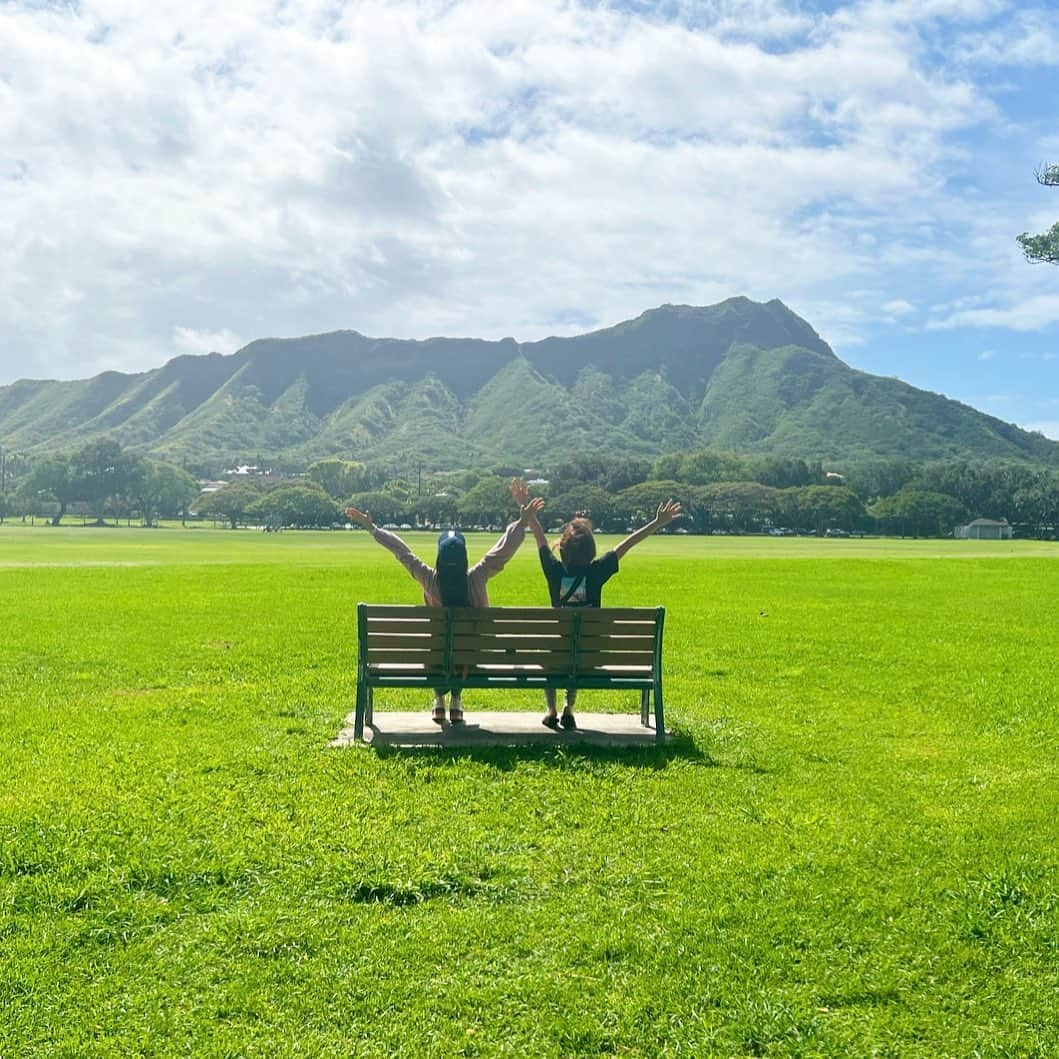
(1048,427)
(1032,314)
(1029,38)
(190,340)
(987,354)
(187,175)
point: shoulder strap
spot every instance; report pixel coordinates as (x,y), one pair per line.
(565,597)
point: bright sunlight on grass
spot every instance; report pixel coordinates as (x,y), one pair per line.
(850,848)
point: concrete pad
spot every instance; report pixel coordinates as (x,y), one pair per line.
(497,729)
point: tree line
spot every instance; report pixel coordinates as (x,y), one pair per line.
(103,479)
(721,492)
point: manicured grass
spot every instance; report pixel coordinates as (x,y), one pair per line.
(851,848)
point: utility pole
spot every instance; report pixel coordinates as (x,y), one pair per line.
(419,481)
(3,470)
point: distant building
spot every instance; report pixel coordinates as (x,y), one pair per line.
(984,529)
(251,470)
(211,487)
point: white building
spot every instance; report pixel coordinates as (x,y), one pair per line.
(984,529)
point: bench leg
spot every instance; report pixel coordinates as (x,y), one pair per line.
(369,707)
(660,717)
(358,721)
(645,707)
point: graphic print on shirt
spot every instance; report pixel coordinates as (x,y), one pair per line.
(573,591)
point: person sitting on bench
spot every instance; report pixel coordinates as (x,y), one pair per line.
(577,577)
(449,583)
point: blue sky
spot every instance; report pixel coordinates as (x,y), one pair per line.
(187,180)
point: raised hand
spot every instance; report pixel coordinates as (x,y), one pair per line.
(530,509)
(362,518)
(668,510)
(519,491)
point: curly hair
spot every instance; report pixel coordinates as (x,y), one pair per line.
(577,546)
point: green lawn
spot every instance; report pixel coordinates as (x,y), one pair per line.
(851,849)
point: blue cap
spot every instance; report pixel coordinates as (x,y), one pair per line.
(452,549)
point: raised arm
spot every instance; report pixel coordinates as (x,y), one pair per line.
(422,573)
(528,510)
(667,511)
(496,558)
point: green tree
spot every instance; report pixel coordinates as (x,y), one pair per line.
(298,505)
(400,489)
(781,472)
(823,507)
(232,502)
(1035,504)
(382,507)
(439,509)
(1043,247)
(101,471)
(739,506)
(51,478)
(637,504)
(919,513)
(871,480)
(608,473)
(488,503)
(338,478)
(593,502)
(159,489)
(701,468)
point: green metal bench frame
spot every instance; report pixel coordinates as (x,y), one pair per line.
(510,647)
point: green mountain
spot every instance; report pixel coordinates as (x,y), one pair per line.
(739,375)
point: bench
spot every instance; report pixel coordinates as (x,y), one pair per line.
(510,647)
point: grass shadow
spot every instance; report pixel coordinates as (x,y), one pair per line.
(679,746)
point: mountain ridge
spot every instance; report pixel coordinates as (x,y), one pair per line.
(745,375)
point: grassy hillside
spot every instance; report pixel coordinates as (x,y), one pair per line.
(797,402)
(741,375)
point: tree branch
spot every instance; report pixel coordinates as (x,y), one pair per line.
(1048,175)
(1044,247)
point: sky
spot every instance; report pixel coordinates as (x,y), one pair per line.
(185,178)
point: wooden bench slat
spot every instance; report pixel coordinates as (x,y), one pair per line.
(425,625)
(603,622)
(375,611)
(631,643)
(613,658)
(410,650)
(398,668)
(552,637)
(513,628)
(413,641)
(466,644)
(435,659)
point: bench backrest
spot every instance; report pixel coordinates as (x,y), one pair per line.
(574,643)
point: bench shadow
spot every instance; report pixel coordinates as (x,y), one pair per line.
(679,746)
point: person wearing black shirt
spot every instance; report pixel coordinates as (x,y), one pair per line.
(577,577)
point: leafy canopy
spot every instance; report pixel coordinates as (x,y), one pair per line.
(1043,247)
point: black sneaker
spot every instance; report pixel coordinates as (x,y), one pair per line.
(567,721)
(551,721)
